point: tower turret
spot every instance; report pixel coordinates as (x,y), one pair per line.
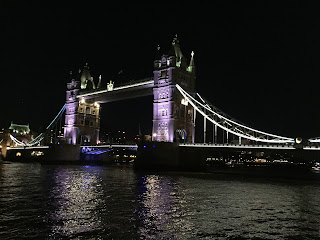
(86,78)
(157,61)
(176,52)
(192,68)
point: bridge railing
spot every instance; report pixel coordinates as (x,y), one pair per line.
(232,145)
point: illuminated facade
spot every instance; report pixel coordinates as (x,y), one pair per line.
(172,116)
(82,119)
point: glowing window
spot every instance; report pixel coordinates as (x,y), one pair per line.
(163,112)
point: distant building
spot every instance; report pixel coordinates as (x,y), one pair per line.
(20,132)
(19,129)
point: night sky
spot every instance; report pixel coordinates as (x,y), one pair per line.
(259,64)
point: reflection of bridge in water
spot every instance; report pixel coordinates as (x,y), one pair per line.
(176,109)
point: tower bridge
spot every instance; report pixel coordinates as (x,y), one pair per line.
(172,121)
(176,107)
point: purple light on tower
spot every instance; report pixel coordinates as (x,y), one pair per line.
(169,115)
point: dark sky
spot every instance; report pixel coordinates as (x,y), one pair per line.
(259,64)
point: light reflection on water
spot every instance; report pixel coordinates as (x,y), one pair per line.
(161,208)
(77,196)
(99,202)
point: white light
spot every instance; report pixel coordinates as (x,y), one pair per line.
(83,101)
(154,134)
(96,104)
(184,101)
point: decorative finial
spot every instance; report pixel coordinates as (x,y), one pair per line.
(175,39)
(192,53)
(70,72)
(158,47)
(79,70)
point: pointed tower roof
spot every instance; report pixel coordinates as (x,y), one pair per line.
(175,49)
(99,83)
(191,68)
(158,55)
(85,76)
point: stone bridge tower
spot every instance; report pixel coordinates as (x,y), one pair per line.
(172,115)
(82,119)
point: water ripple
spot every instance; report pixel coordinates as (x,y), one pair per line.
(98,202)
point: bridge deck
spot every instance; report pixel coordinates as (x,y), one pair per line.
(262,146)
(190,145)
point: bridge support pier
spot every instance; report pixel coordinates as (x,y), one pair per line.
(4,144)
(167,156)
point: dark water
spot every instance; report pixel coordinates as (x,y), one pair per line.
(116,202)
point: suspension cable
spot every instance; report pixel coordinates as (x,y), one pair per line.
(40,137)
(58,115)
(230,125)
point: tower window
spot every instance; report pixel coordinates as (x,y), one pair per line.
(163,112)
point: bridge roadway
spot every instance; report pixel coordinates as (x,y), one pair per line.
(153,154)
(140,88)
(189,145)
(243,146)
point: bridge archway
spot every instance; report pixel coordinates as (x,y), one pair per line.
(180,135)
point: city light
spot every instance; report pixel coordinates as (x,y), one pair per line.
(184,101)
(96,104)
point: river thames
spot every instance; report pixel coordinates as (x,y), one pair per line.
(117,202)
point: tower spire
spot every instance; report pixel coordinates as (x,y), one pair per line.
(158,56)
(176,52)
(191,68)
(99,83)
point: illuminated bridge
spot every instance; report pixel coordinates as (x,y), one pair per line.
(176,107)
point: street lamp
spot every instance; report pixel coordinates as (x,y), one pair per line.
(154,136)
